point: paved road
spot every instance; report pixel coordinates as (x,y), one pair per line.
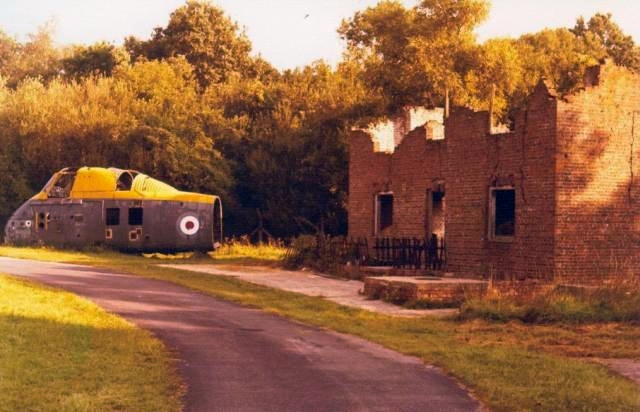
(240,359)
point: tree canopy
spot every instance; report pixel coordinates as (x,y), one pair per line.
(36,58)
(412,56)
(604,38)
(205,36)
(100,59)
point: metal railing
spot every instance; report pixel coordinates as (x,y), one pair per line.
(414,253)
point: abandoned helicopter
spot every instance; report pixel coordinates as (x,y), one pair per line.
(121,209)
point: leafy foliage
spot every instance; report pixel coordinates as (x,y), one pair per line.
(202,34)
(287,139)
(413,56)
(99,59)
(604,38)
(37,58)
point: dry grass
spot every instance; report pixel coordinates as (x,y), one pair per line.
(601,340)
(619,302)
(242,250)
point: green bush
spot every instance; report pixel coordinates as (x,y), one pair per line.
(320,252)
(303,252)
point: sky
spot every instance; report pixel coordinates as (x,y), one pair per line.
(287,33)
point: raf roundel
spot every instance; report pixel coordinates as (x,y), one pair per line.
(189,225)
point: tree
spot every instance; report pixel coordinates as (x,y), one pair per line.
(496,78)
(14,188)
(194,166)
(207,38)
(379,40)
(557,55)
(146,117)
(604,38)
(286,140)
(413,56)
(99,59)
(169,139)
(37,58)
(513,67)
(445,43)
(8,52)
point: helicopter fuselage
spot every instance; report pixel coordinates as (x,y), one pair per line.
(121,209)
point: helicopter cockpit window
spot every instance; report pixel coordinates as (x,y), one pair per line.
(125,180)
(62,187)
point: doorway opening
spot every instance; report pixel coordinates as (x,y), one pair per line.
(436,208)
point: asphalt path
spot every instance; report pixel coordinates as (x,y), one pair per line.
(234,358)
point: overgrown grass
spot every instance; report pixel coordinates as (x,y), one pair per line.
(432,304)
(238,251)
(620,303)
(59,352)
(509,366)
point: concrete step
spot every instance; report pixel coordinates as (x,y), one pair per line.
(439,290)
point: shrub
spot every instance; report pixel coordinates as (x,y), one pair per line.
(302,252)
(321,252)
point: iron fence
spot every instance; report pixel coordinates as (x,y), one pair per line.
(324,252)
(414,253)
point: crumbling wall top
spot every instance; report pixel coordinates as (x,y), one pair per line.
(388,134)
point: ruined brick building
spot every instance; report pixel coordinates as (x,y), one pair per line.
(557,197)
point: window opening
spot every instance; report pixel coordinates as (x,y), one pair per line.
(384,211)
(42,221)
(135,216)
(125,180)
(113,216)
(503,213)
(63,185)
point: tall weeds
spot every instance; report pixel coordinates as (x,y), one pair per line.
(558,303)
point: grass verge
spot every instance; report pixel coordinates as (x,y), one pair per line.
(508,369)
(59,352)
(558,303)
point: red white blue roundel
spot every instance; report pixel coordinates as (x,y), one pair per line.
(189,225)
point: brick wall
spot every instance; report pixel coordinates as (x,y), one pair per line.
(467,177)
(521,159)
(368,175)
(465,165)
(534,172)
(598,171)
(574,166)
(415,166)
